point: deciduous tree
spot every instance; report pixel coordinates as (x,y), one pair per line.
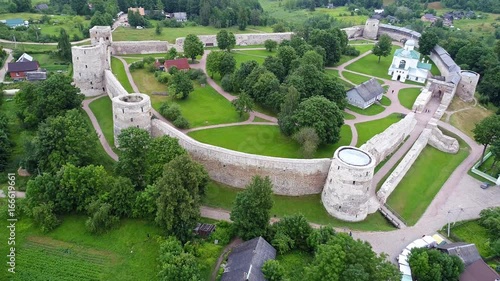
(180,86)
(487,131)
(273,270)
(64,46)
(225,40)
(288,107)
(227,64)
(286,54)
(243,103)
(193,47)
(383,47)
(427,42)
(270,45)
(432,265)
(213,62)
(251,210)
(133,143)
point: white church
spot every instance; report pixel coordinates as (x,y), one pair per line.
(406,65)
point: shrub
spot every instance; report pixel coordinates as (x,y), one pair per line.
(273,270)
(194,74)
(202,80)
(162,77)
(136,65)
(270,45)
(150,67)
(181,122)
(224,232)
(172,112)
(148,60)
(44,217)
(100,219)
(227,83)
(351,51)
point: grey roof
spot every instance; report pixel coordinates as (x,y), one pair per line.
(401,30)
(22,66)
(479,271)
(368,90)
(453,68)
(36,75)
(42,6)
(252,253)
(466,252)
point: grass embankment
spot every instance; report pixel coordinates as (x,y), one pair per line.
(348,116)
(335,73)
(385,101)
(408,96)
(221,196)
(103,111)
(423,181)
(264,140)
(367,130)
(118,70)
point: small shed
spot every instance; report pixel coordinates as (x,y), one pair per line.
(204,229)
(365,94)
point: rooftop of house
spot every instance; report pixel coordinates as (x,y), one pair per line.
(245,261)
(468,253)
(42,6)
(429,16)
(479,270)
(368,90)
(180,64)
(22,66)
(24,57)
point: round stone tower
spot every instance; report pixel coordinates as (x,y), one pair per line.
(467,85)
(347,188)
(89,63)
(101,32)
(370,30)
(133,110)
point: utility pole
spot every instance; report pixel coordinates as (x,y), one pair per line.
(455,220)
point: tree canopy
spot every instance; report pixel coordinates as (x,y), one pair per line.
(383,47)
(225,40)
(427,42)
(193,47)
(487,131)
(433,265)
(64,46)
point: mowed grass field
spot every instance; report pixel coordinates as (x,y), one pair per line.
(373,109)
(248,55)
(51,62)
(473,232)
(408,96)
(423,181)
(221,196)
(69,23)
(118,70)
(170,34)
(358,79)
(367,130)
(103,111)
(466,120)
(264,140)
(369,65)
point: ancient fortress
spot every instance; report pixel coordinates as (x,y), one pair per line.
(345,180)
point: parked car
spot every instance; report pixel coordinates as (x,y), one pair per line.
(485,185)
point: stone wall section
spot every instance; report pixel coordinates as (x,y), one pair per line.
(384,144)
(291,177)
(241,39)
(440,141)
(113,87)
(370,30)
(100,32)
(397,175)
(138,47)
(347,189)
(354,31)
(422,100)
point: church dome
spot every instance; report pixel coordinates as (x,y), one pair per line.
(410,42)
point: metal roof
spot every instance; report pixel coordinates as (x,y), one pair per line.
(22,66)
(424,65)
(466,252)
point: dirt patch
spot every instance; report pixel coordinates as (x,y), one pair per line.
(435,5)
(457,104)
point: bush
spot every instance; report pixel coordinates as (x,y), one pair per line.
(172,112)
(351,51)
(270,45)
(273,270)
(181,122)
(195,74)
(100,219)
(162,77)
(224,232)
(44,217)
(136,65)
(202,80)
(150,67)
(227,83)
(148,60)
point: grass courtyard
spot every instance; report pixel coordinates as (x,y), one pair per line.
(408,96)
(118,70)
(264,140)
(221,196)
(423,181)
(103,111)
(373,109)
(247,55)
(369,64)
(358,79)
(367,130)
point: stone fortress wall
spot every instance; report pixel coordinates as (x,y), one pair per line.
(131,110)
(291,177)
(241,39)
(138,47)
(384,144)
(346,193)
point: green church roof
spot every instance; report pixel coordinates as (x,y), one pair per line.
(424,65)
(407,54)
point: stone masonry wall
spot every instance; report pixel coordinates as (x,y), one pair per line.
(397,175)
(113,87)
(440,141)
(241,39)
(354,31)
(385,143)
(138,47)
(291,177)
(422,100)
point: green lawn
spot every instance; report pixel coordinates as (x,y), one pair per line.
(408,96)
(294,263)
(221,196)
(29,47)
(147,84)
(264,140)
(369,65)
(385,101)
(488,167)
(367,130)
(423,181)
(131,60)
(50,62)
(348,116)
(118,70)
(472,232)
(170,34)
(256,55)
(358,79)
(373,109)
(103,111)
(335,73)
(258,119)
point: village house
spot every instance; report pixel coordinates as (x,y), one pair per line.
(429,18)
(18,70)
(406,64)
(181,64)
(365,94)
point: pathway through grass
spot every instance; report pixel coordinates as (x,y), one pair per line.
(264,140)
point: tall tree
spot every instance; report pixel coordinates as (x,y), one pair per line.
(226,40)
(252,208)
(213,62)
(383,47)
(433,265)
(180,192)
(227,64)
(487,131)
(64,45)
(133,143)
(286,54)
(175,263)
(288,107)
(193,47)
(330,42)
(322,115)
(79,6)
(180,86)
(161,150)
(243,103)
(489,86)
(427,41)
(64,139)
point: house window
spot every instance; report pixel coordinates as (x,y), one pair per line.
(123,110)
(402,64)
(90,82)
